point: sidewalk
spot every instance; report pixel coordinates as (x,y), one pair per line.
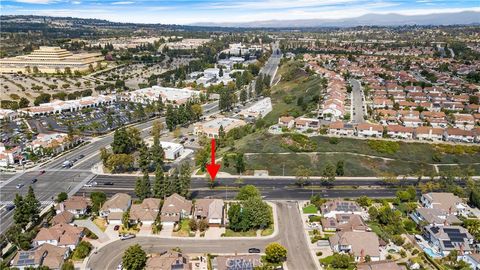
(311,246)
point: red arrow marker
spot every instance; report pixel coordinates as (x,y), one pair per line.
(213,168)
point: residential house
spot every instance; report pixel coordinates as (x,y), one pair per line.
(464,121)
(331,208)
(234,262)
(459,135)
(369,130)
(77,205)
(341,129)
(170,260)
(358,244)
(444,201)
(344,222)
(174,209)
(449,238)
(61,235)
(382,103)
(210,209)
(286,121)
(304,124)
(429,134)
(114,208)
(45,255)
(473,259)
(64,217)
(145,212)
(434,216)
(400,132)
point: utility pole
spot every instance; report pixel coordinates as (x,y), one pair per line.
(283,168)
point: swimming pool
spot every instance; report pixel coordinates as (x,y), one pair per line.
(431,253)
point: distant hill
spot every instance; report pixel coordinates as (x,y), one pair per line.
(392,19)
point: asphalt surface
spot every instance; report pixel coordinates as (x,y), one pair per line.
(272,189)
(357,102)
(271,66)
(290,235)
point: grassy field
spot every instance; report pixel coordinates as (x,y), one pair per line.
(311,209)
(295,84)
(262,151)
(230,233)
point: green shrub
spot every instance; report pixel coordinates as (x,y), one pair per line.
(82,250)
(319,253)
(387,147)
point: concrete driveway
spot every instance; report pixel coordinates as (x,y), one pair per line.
(87,223)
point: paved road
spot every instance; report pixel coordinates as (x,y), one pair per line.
(289,235)
(272,189)
(357,102)
(271,66)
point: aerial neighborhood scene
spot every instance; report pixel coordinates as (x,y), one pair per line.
(239,135)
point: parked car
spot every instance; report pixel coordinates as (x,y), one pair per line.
(253,250)
(127,236)
(116,228)
(42,171)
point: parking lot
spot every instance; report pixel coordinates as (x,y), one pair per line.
(88,121)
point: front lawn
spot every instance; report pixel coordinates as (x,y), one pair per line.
(311,209)
(230,233)
(101,223)
(184,230)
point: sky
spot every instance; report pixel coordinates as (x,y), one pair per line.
(189,11)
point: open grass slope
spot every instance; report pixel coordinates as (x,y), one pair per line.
(361,157)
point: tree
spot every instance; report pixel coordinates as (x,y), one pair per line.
(126,219)
(82,250)
(171,118)
(156,152)
(192,223)
(20,215)
(342,261)
(302,175)
(98,199)
(275,253)
(23,102)
(144,159)
(142,186)
(68,265)
(203,225)
(160,185)
(239,163)
(134,258)
(121,143)
(33,205)
(340,168)
(328,174)
(243,95)
(248,191)
(119,162)
(157,128)
(62,196)
(185,179)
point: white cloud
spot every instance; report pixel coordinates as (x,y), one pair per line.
(43,2)
(76,2)
(123,3)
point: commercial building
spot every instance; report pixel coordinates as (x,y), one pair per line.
(172,150)
(212,127)
(257,110)
(174,96)
(50,60)
(59,106)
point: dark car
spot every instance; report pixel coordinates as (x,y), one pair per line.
(116,227)
(108,183)
(42,171)
(9,207)
(253,250)
(34,180)
(81,156)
